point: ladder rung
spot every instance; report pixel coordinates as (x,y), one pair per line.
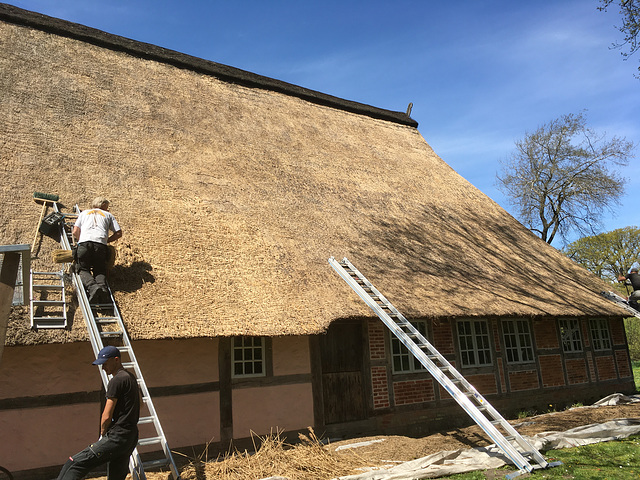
(161,462)
(49,302)
(41,326)
(42,286)
(149,441)
(106,320)
(128,364)
(110,334)
(145,420)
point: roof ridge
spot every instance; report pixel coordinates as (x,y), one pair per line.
(226,73)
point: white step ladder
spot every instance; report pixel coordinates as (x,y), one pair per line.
(48,304)
(614,297)
(523,455)
(105,327)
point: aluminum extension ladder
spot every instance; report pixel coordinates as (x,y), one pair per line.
(516,448)
(614,297)
(105,326)
(49,309)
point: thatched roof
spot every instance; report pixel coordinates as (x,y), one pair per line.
(232,195)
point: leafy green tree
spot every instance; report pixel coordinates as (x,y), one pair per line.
(561,177)
(630,13)
(632,329)
(607,254)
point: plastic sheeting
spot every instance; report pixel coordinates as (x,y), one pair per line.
(461,461)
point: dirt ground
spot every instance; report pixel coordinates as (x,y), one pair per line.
(392,449)
(398,448)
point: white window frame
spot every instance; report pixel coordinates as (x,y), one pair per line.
(400,353)
(600,334)
(474,341)
(248,353)
(570,335)
(518,341)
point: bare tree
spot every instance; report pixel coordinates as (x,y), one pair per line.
(560,177)
(630,13)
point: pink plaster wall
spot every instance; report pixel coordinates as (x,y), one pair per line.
(189,419)
(48,369)
(42,437)
(291,355)
(178,362)
(286,407)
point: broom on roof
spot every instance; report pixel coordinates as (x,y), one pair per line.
(45,199)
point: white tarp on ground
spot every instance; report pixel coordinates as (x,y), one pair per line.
(461,461)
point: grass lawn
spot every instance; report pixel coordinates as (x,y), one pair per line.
(617,460)
(636,373)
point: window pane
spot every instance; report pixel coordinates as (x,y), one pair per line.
(248,356)
(473,338)
(402,360)
(570,335)
(518,341)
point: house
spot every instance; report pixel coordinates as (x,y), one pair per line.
(233,190)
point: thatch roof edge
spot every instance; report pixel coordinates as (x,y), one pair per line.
(27,18)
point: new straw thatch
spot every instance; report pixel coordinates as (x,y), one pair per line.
(233,190)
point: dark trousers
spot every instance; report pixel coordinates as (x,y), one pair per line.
(114,452)
(92,266)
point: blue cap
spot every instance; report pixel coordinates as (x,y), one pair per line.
(105,354)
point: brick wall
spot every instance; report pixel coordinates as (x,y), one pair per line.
(496,336)
(503,385)
(576,371)
(606,368)
(377,331)
(551,370)
(413,391)
(591,365)
(555,370)
(616,328)
(485,384)
(545,334)
(442,337)
(379,387)
(624,368)
(586,337)
(524,380)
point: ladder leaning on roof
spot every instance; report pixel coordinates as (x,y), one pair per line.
(105,324)
(515,447)
(614,297)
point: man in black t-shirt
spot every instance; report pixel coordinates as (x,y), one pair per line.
(633,278)
(118,424)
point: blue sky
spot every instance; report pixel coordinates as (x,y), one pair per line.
(480,75)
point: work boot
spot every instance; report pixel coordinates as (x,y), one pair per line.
(94,296)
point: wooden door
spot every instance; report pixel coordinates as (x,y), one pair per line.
(342,357)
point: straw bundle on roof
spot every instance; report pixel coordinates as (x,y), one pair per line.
(233,197)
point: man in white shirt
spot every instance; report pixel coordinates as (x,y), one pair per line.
(91,231)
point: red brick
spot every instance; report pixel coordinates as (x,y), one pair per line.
(552,371)
(624,368)
(524,380)
(442,337)
(616,328)
(545,334)
(576,371)
(413,391)
(606,368)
